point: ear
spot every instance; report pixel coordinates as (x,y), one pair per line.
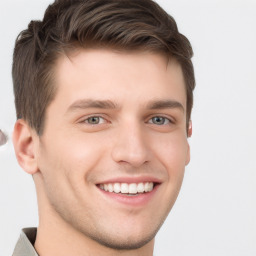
(190,129)
(189,135)
(24,145)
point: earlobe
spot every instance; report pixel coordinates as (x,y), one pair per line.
(24,146)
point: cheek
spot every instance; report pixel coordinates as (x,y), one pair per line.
(66,171)
(76,151)
(69,161)
(71,167)
(172,151)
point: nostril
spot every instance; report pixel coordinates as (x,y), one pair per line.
(3,138)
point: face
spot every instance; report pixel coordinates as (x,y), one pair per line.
(114,147)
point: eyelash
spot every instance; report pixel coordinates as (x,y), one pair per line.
(91,117)
(167,121)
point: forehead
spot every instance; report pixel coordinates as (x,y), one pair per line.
(109,74)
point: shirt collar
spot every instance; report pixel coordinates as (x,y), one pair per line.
(25,243)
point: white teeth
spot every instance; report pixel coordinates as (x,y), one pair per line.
(146,187)
(126,188)
(110,188)
(151,186)
(141,188)
(117,188)
(133,188)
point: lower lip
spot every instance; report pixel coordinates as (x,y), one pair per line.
(136,200)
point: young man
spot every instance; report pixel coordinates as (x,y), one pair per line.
(103,93)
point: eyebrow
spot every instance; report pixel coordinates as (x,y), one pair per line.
(108,104)
(89,103)
(163,104)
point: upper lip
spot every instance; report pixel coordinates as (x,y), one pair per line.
(129,180)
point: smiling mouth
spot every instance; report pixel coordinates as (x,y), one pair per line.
(128,189)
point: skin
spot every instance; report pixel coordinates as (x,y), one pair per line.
(125,140)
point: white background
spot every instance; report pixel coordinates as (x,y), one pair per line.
(215,214)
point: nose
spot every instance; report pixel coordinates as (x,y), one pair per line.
(130,146)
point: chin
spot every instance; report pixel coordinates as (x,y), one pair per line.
(124,243)
(130,240)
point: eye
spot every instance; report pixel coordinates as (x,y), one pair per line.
(94,120)
(159,120)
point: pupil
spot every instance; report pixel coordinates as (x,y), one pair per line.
(158,120)
(94,120)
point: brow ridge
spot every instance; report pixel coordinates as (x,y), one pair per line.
(162,104)
(89,103)
(108,104)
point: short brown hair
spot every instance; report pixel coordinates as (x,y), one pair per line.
(69,24)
